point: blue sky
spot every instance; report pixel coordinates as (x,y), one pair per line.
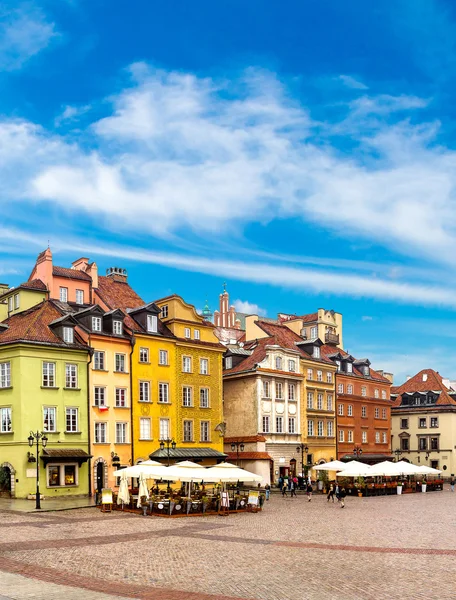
(302,151)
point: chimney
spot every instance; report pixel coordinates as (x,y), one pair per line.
(81,264)
(4,287)
(92,270)
(117,273)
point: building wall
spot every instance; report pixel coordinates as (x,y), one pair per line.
(27,299)
(27,398)
(240,406)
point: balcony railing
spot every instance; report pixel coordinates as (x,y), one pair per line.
(332,338)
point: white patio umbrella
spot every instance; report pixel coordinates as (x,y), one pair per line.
(406,468)
(187,471)
(386,469)
(143,490)
(136,470)
(229,473)
(123,496)
(425,470)
(355,468)
(333,465)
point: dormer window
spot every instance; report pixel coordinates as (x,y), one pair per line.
(349,367)
(196,334)
(338,364)
(164,311)
(229,362)
(366,371)
(68,335)
(278,363)
(187,333)
(292,366)
(117,327)
(152,322)
(10,304)
(313,332)
(96,323)
(316,352)
(16,301)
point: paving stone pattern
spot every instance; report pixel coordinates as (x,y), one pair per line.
(375,548)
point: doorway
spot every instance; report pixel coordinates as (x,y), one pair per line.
(5,482)
(100,476)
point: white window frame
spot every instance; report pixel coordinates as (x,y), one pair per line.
(61,467)
(340,388)
(205,431)
(48,375)
(99,360)
(320,428)
(376,394)
(229,362)
(188,430)
(187,333)
(377,413)
(292,366)
(310,428)
(363,391)
(363,412)
(143,428)
(204,366)
(73,414)
(310,399)
(164,311)
(63,294)
(6,421)
(341,436)
(144,391)
(163,392)
(340,410)
(16,301)
(122,427)
(291,424)
(96,323)
(350,436)
(79,296)
(196,334)
(47,411)
(364,437)
(329,377)
(117,327)
(349,388)
(384,413)
(329,401)
(266,388)
(330,428)
(291,391)
(10,304)
(278,390)
(100,427)
(71,376)
(120,360)
(164,428)
(279,425)
(187,396)
(5,374)
(266,422)
(152,323)
(121,397)
(377,437)
(310,374)
(320,401)
(350,410)
(384,438)
(319,375)
(68,335)
(99,395)
(144,355)
(204,397)
(316,352)
(383,394)
(186,364)
(163,357)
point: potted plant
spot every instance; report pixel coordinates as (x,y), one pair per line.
(144,505)
(204,502)
(399,488)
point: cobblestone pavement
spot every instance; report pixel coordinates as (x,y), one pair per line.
(393,547)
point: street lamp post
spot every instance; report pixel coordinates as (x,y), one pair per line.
(397,452)
(357,451)
(37,436)
(169,443)
(236,446)
(303,449)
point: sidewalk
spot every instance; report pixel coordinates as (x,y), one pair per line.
(47,505)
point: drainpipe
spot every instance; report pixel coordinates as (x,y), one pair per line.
(133,342)
(89,462)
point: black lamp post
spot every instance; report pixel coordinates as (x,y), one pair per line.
(169,443)
(357,451)
(303,449)
(238,447)
(397,452)
(37,436)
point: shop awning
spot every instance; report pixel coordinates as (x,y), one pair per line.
(187,454)
(62,455)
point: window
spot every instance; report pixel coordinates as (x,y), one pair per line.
(349,367)
(117,327)
(188,431)
(310,428)
(319,375)
(62,475)
(363,412)
(377,437)
(68,335)
(63,294)
(279,391)
(422,443)
(278,363)
(100,396)
(405,444)
(265,424)
(376,393)
(96,323)
(291,425)
(120,363)
(313,332)
(316,352)
(349,389)
(320,401)
(79,296)
(204,397)
(121,433)
(164,429)
(144,391)
(144,428)
(163,392)
(341,435)
(229,362)
(266,389)
(422,423)
(434,422)
(404,424)
(292,366)
(364,437)
(5,374)
(330,402)
(144,355)
(349,436)
(187,333)
(186,396)
(338,364)
(309,374)
(49,419)
(99,360)
(329,377)
(320,426)
(330,426)
(340,388)
(71,376)
(350,410)
(383,394)
(377,413)
(163,357)
(152,323)
(16,301)
(186,364)
(100,433)
(5,420)
(310,400)
(204,366)
(48,374)
(434,443)
(204,431)
(384,437)
(279,424)
(291,391)
(10,304)
(383,413)
(164,311)
(196,334)
(121,397)
(340,410)
(363,390)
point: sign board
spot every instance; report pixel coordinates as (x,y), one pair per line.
(253,497)
(106,496)
(225,500)
(31,473)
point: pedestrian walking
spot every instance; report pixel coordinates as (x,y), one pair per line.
(309,491)
(293,489)
(343,493)
(284,490)
(280,482)
(452,482)
(330,495)
(337,492)
(267,489)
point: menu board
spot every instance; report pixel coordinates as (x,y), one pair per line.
(106,496)
(225,500)
(253,497)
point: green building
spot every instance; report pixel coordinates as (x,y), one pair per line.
(43,387)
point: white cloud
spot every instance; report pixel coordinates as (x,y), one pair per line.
(351,82)
(244,306)
(71,113)
(366,318)
(24,32)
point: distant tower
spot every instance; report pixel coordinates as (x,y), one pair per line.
(207,313)
(226,316)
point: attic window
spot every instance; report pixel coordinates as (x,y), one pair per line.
(424,376)
(164,311)
(96,323)
(152,323)
(68,335)
(117,327)
(349,367)
(338,364)
(229,362)
(316,352)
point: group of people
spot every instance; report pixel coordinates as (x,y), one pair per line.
(336,490)
(292,485)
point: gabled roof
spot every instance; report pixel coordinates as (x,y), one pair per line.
(70,273)
(432,382)
(328,351)
(150,307)
(116,293)
(33,284)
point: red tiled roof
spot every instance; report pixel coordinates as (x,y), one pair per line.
(249,363)
(32,325)
(34,284)
(70,273)
(244,438)
(434,382)
(248,456)
(117,293)
(327,350)
(309,318)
